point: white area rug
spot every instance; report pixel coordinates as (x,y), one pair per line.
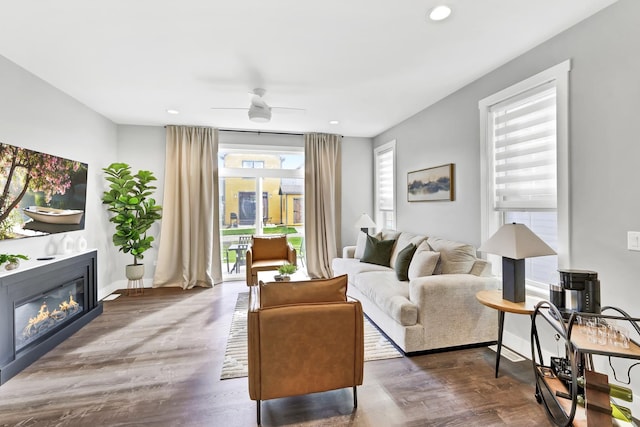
(376,345)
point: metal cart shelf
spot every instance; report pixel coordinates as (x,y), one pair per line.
(565,411)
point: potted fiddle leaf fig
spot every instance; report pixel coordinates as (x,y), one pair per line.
(12,260)
(134,212)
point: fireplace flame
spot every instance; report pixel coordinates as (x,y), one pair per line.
(45,319)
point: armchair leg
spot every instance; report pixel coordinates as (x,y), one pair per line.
(259,418)
(355,397)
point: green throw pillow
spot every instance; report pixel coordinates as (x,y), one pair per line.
(403,260)
(377,251)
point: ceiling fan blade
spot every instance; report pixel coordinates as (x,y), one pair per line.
(289,108)
(259,110)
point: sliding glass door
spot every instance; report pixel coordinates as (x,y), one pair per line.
(261,193)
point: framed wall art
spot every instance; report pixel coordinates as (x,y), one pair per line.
(431,184)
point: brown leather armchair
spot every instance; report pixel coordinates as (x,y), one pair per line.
(268,253)
(304,337)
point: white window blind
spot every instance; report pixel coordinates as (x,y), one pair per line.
(385,185)
(385,180)
(523,130)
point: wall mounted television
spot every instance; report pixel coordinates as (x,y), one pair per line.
(41,193)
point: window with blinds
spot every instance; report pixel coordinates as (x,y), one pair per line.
(523,132)
(524,166)
(385,185)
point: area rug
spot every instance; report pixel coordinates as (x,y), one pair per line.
(376,345)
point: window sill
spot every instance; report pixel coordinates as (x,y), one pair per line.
(537,292)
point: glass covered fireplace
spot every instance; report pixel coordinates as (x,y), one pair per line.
(43,305)
(39,316)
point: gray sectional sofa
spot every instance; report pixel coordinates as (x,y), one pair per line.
(436,308)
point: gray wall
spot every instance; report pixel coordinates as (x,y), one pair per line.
(37,116)
(357,176)
(604,150)
(142,147)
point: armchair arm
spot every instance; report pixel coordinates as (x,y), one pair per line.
(449,311)
(292,256)
(248,261)
(349,252)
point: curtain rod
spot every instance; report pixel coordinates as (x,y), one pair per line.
(260,131)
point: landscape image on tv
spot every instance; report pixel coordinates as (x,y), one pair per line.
(40,193)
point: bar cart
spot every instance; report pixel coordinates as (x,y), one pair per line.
(572,393)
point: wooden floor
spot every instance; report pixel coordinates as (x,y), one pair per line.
(156,360)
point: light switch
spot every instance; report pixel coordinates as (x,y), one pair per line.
(633,240)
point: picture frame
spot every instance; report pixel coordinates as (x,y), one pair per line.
(431,184)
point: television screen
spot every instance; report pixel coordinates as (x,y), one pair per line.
(40,193)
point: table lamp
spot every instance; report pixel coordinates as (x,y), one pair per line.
(515,242)
(364,223)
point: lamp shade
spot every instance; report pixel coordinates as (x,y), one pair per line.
(364,221)
(516,241)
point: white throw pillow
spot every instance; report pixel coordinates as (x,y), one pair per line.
(423,264)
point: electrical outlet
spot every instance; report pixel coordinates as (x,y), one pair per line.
(633,240)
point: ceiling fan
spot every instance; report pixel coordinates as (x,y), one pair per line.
(259,111)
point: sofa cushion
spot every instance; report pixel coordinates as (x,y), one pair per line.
(403,260)
(455,257)
(361,243)
(389,294)
(402,240)
(309,291)
(377,251)
(423,264)
(352,267)
(386,234)
(481,268)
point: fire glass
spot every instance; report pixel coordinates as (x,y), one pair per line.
(42,314)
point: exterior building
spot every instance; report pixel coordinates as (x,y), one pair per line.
(282,199)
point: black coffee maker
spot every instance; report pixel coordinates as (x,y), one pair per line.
(579,290)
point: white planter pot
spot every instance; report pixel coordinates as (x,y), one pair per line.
(134,271)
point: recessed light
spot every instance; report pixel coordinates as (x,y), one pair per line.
(439,13)
(171,111)
(334,122)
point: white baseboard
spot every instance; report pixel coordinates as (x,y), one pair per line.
(120,284)
(523,346)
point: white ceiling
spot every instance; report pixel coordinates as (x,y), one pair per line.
(368,63)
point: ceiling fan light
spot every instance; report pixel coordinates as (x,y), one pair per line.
(259,115)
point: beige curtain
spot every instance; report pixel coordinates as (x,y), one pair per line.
(322,191)
(189,252)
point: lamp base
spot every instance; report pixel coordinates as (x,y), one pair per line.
(365,230)
(513,279)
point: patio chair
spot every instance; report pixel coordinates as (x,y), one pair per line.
(268,253)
